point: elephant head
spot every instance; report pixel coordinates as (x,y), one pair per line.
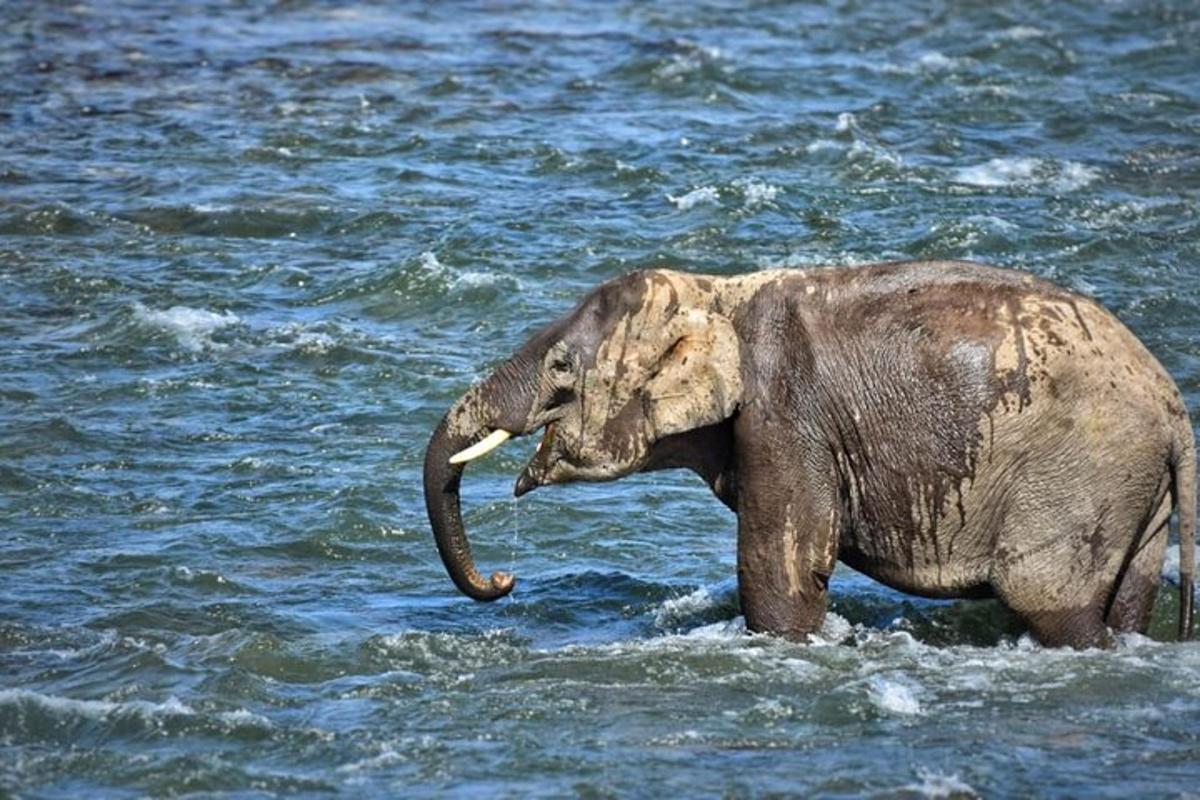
(643,374)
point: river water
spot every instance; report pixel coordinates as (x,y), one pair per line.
(250,252)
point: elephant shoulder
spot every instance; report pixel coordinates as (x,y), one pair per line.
(774,327)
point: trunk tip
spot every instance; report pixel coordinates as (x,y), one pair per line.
(503,581)
(501,584)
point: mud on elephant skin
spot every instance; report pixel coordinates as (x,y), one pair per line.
(950,429)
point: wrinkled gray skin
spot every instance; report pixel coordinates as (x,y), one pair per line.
(949,429)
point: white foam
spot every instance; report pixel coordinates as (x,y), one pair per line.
(417,650)
(1027,644)
(429,261)
(1170,568)
(191,327)
(861,149)
(679,66)
(1149,99)
(298,336)
(95,709)
(940,786)
(845,122)
(705,195)
(1018,33)
(683,64)
(834,630)
(816,258)
(678,609)
(725,631)
(1101,215)
(483,278)
(991,223)
(211,208)
(683,738)
(998,172)
(1134,641)
(430,264)
(1062,176)
(772,708)
(241,718)
(821,145)
(937,61)
(932,62)
(314,343)
(188,575)
(757,193)
(986,90)
(726,634)
(1074,175)
(1082,285)
(105,639)
(385,758)
(893,696)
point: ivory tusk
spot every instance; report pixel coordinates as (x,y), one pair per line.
(482,447)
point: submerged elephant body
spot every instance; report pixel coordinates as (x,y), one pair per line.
(949,429)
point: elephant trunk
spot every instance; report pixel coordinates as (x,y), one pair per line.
(501,402)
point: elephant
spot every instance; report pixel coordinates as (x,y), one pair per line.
(950,429)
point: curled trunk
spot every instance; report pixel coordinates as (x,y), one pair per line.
(445,515)
(500,402)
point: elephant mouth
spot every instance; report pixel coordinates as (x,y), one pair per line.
(538,468)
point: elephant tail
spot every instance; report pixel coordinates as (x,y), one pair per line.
(1183,470)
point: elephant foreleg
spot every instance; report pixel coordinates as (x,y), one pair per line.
(787,549)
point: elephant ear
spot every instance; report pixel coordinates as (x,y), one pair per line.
(697,380)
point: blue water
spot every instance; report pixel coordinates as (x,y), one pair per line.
(250,253)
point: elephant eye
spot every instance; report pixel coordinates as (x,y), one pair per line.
(561,365)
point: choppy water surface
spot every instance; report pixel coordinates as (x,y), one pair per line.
(249,253)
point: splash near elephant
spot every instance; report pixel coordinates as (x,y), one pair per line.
(949,429)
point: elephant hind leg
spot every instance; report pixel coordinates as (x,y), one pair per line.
(1079,628)
(1136,587)
(1112,585)
(1061,609)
